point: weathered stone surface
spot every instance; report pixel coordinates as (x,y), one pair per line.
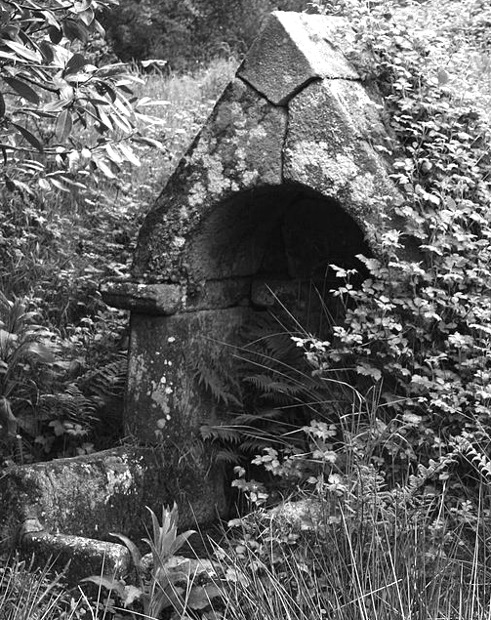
(167,397)
(333,131)
(167,299)
(305,515)
(163,299)
(94,495)
(77,556)
(294,49)
(239,148)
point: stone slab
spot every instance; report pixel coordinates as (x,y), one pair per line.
(333,133)
(94,495)
(292,50)
(163,299)
(168,299)
(76,556)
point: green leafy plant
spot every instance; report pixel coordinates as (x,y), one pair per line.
(164,580)
(49,86)
(43,410)
(276,395)
(24,347)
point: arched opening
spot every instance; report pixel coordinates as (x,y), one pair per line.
(283,240)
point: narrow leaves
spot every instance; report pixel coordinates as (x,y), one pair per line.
(22,89)
(30,137)
(64,125)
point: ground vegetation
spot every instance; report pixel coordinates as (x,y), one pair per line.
(399,466)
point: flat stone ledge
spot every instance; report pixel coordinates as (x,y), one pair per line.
(169,299)
(294,49)
(91,496)
(163,299)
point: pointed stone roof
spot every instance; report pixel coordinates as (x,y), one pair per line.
(296,113)
(293,50)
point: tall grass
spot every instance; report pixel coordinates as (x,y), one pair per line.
(28,594)
(364,563)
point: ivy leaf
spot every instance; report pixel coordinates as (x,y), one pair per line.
(22,89)
(368,371)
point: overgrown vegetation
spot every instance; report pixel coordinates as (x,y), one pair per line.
(399,461)
(67,222)
(382,430)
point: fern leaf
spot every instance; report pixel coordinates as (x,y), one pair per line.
(228,456)
(229,434)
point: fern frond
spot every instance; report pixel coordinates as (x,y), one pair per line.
(218,380)
(255,445)
(228,456)
(229,434)
(71,405)
(109,380)
(249,419)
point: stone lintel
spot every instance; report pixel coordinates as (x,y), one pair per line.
(163,299)
(168,299)
(294,49)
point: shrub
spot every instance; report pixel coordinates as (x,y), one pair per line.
(186,33)
(49,86)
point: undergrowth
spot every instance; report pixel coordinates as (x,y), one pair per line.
(55,249)
(382,429)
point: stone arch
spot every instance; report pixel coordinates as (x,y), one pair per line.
(284,231)
(279,241)
(256,250)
